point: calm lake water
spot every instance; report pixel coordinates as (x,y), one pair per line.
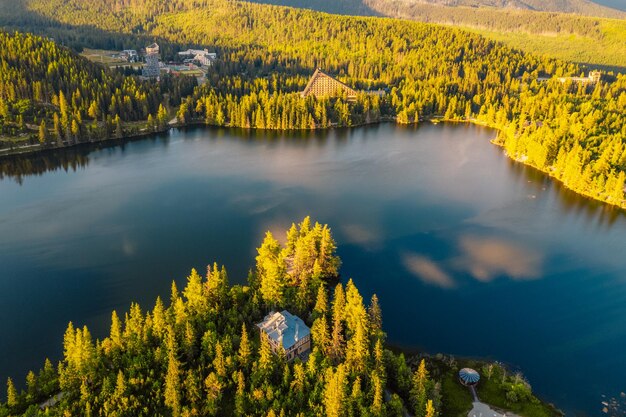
(469,253)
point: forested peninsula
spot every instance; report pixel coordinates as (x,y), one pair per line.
(571,130)
(201,353)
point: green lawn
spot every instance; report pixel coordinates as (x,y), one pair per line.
(104,57)
(457,399)
(491,392)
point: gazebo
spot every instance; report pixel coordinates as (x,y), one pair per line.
(469,377)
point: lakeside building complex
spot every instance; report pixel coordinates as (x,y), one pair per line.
(202,56)
(323,85)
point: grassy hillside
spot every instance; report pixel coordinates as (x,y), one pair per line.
(608,51)
(364,7)
(585,40)
(582,7)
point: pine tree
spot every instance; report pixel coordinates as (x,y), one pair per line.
(240,395)
(43,133)
(116,330)
(161,117)
(271,270)
(337,341)
(32,388)
(245,350)
(63,108)
(174,293)
(430,409)
(12,396)
(150,124)
(119,132)
(375,318)
(172,379)
(158,318)
(339,303)
(216,285)
(357,353)
(193,292)
(334,391)
(321,302)
(419,389)
(213,388)
(266,359)
(377,395)
(219,362)
(58,130)
(319,334)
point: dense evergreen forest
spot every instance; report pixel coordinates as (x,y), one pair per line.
(69,99)
(579,32)
(573,131)
(201,353)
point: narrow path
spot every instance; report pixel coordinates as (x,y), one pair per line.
(483,410)
(474,395)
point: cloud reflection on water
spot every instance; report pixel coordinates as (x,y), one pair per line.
(427,270)
(359,234)
(486,258)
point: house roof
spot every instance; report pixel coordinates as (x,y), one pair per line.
(318,74)
(197,52)
(284,328)
(151,49)
(469,376)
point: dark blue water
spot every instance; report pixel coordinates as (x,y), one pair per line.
(469,253)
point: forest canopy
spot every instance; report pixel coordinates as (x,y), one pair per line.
(201,354)
(571,130)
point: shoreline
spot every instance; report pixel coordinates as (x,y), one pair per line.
(36,149)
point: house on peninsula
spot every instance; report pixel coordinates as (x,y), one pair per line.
(288,332)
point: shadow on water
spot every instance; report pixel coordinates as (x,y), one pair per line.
(72,159)
(295,137)
(570,202)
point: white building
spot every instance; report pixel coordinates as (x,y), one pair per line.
(286,331)
(593,78)
(201,56)
(129,55)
